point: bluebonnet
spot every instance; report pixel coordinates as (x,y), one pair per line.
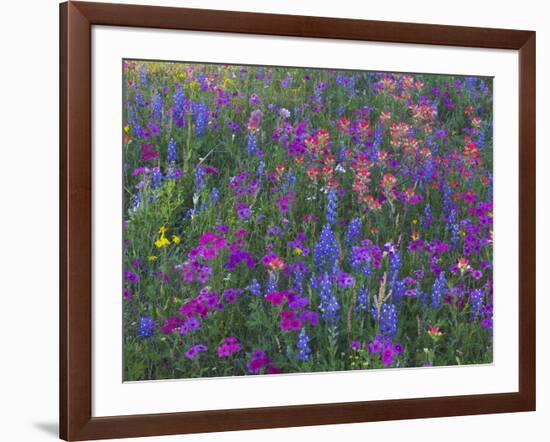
(299,271)
(351,85)
(387,319)
(289,181)
(260,73)
(483,87)
(139,100)
(362,300)
(353,234)
(451,219)
(202,81)
(260,170)
(199,180)
(325,252)
(156,107)
(449,207)
(480,142)
(428,171)
(378,137)
(134,123)
(328,303)
(470,83)
(271,284)
(455,229)
(399,288)
(214,195)
(146,327)
(427,216)
(189,213)
(252,144)
(135,201)
(172,155)
(200,118)
(476,303)
(303,346)
(438,290)
(332,207)
(342,154)
(318,93)
(179,107)
(422,295)
(340,80)
(156,178)
(255,288)
(395,267)
(143,74)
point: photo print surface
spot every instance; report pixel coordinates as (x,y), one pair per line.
(294,220)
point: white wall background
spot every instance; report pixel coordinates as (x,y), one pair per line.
(29,217)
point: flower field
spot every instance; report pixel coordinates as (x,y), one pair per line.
(284,220)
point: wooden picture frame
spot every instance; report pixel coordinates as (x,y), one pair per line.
(76,21)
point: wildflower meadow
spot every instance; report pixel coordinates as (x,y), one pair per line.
(285,220)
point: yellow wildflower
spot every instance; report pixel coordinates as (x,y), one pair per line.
(152,258)
(227,82)
(162,241)
(176,239)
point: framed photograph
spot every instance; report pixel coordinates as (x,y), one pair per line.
(274,220)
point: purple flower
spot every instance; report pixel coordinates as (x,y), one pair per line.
(416,245)
(193,351)
(131,276)
(259,360)
(231,295)
(397,348)
(237,256)
(297,302)
(309,316)
(387,356)
(285,201)
(243,211)
(345,280)
(229,346)
(477,274)
(375,346)
(193,323)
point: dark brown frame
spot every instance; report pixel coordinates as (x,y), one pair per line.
(76,421)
